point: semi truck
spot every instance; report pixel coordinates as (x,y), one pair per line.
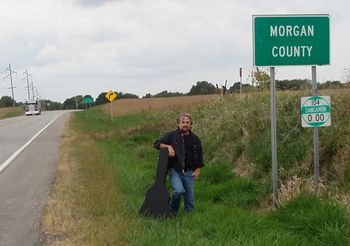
(33,107)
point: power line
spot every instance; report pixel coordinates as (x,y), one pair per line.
(32,89)
(10,75)
(28,87)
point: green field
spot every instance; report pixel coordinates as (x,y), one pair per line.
(116,162)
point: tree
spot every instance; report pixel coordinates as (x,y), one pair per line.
(236,87)
(70,103)
(168,94)
(330,85)
(50,105)
(122,95)
(294,84)
(148,95)
(202,88)
(88,96)
(74,103)
(101,99)
(6,101)
(79,101)
(262,79)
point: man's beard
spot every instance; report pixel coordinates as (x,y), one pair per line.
(185,129)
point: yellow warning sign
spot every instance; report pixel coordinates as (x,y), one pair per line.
(111,95)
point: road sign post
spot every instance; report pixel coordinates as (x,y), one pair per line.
(87,100)
(315,112)
(288,40)
(273,136)
(111,96)
(315,132)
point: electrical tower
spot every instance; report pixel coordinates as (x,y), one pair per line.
(10,75)
(28,87)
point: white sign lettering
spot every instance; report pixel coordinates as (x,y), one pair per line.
(291,51)
(292,31)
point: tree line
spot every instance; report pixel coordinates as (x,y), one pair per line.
(261,82)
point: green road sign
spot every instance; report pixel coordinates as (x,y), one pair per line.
(315,111)
(88,100)
(291,40)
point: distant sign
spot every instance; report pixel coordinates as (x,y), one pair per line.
(88,100)
(291,40)
(111,95)
(315,111)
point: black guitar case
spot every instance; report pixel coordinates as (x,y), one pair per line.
(157,197)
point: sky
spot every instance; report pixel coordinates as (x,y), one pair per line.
(85,47)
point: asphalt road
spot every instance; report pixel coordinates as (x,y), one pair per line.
(28,161)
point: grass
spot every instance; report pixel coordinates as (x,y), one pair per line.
(116,163)
(11,112)
(83,207)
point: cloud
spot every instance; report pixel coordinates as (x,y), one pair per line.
(76,47)
(94,3)
(49,52)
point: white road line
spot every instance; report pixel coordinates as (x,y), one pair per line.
(14,155)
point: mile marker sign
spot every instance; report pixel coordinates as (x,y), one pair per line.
(315,111)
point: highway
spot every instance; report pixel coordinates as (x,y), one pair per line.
(29,154)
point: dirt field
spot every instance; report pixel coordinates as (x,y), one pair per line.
(129,106)
(11,110)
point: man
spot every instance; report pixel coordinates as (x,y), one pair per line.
(185,161)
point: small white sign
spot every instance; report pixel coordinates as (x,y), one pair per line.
(315,111)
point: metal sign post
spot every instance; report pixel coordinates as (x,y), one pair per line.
(288,40)
(315,133)
(111,111)
(315,112)
(240,81)
(111,95)
(273,136)
(87,100)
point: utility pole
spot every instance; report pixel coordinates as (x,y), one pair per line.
(27,75)
(32,89)
(10,75)
(76,103)
(240,81)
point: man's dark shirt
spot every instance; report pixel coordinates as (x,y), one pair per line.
(188,150)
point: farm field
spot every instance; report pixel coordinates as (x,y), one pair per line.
(130,106)
(11,111)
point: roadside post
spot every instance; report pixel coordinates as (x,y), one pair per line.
(111,96)
(87,100)
(289,40)
(240,81)
(315,112)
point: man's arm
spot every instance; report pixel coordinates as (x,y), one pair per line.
(169,147)
(162,143)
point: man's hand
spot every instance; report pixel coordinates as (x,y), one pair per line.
(171,151)
(196,173)
(170,148)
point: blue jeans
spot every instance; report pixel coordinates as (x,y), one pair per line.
(183,184)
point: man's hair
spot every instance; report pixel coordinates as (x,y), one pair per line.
(182,115)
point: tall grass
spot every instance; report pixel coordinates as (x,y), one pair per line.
(11,112)
(233,192)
